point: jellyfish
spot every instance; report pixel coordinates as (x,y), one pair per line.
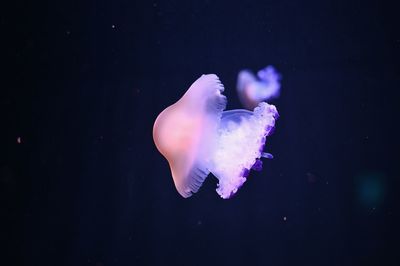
(253,90)
(197,137)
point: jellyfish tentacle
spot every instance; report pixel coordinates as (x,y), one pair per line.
(241,134)
(267,155)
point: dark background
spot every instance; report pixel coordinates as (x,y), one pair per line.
(83,81)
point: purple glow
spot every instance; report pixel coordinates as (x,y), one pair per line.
(246,172)
(257,166)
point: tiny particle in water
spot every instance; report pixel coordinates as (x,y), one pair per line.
(19,140)
(312,178)
(113,26)
(372,210)
(284,218)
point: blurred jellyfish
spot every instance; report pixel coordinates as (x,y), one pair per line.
(197,137)
(370,189)
(253,90)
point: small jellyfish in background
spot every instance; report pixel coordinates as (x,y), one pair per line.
(197,137)
(252,90)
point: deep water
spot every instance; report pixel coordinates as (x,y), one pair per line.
(83,184)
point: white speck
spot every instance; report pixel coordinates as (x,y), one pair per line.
(284,218)
(113,26)
(19,140)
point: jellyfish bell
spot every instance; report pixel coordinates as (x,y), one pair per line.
(197,137)
(254,89)
(185,132)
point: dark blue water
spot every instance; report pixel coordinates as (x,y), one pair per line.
(84,184)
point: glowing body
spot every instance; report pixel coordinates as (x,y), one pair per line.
(197,137)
